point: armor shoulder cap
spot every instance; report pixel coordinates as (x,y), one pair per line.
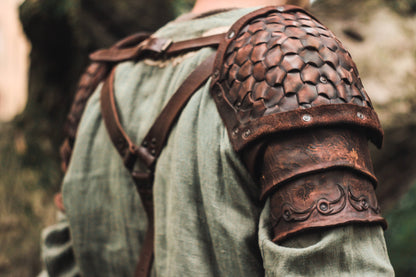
(280,69)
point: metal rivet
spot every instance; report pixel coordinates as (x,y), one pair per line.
(153,152)
(238,105)
(219,94)
(323,79)
(323,207)
(247,133)
(280,9)
(145,143)
(235,132)
(153,140)
(216,73)
(306,117)
(364,204)
(286,215)
(231,34)
(360,115)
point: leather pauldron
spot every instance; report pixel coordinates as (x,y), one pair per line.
(294,106)
(280,69)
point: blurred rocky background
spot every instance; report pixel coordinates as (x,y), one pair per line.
(380,34)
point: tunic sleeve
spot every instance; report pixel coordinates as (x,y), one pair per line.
(350,250)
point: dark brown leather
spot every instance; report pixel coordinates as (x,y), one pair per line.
(155,140)
(95,73)
(280,69)
(157,136)
(144,187)
(152,145)
(294,154)
(124,145)
(322,200)
(295,108)
(155,47)
(132,47)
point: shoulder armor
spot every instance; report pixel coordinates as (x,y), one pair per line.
(280,69)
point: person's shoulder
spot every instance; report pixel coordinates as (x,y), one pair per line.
(279,68)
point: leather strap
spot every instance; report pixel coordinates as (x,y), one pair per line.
(155,139)
(152,145)
(155,47)
(193,44)
(157,136)
(124,145)
(95,73)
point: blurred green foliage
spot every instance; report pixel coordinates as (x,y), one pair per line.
(401,235)
(25,205)
(182,6)
(405,7)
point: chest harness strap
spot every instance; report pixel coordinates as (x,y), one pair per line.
(153,143)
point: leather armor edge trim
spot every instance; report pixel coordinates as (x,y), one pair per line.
(243,129)
(323,200)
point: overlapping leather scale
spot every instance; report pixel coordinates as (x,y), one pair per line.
(286,61)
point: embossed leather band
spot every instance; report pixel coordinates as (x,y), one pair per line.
(323,200)
(316,178)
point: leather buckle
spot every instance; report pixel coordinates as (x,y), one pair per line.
(156,45)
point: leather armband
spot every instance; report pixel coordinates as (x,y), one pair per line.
(294,107)
(318,178)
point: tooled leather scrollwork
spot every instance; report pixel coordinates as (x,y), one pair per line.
(323,199)
(316,178)
(280,69)
(323,206)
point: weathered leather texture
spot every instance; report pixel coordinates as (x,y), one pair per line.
(280,69)
(295,108)
(320,200)
(318,178)
(317,150)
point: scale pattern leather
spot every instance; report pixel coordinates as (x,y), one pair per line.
(279,71)
(282,62)
(289,61)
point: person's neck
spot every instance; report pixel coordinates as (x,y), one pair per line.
(203,6)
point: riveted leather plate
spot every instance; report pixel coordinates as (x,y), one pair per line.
(280,69)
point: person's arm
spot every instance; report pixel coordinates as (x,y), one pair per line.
(350,250)
(295,108)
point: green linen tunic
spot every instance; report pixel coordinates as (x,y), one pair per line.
(208,219)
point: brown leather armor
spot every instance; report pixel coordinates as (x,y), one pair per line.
(294,106)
